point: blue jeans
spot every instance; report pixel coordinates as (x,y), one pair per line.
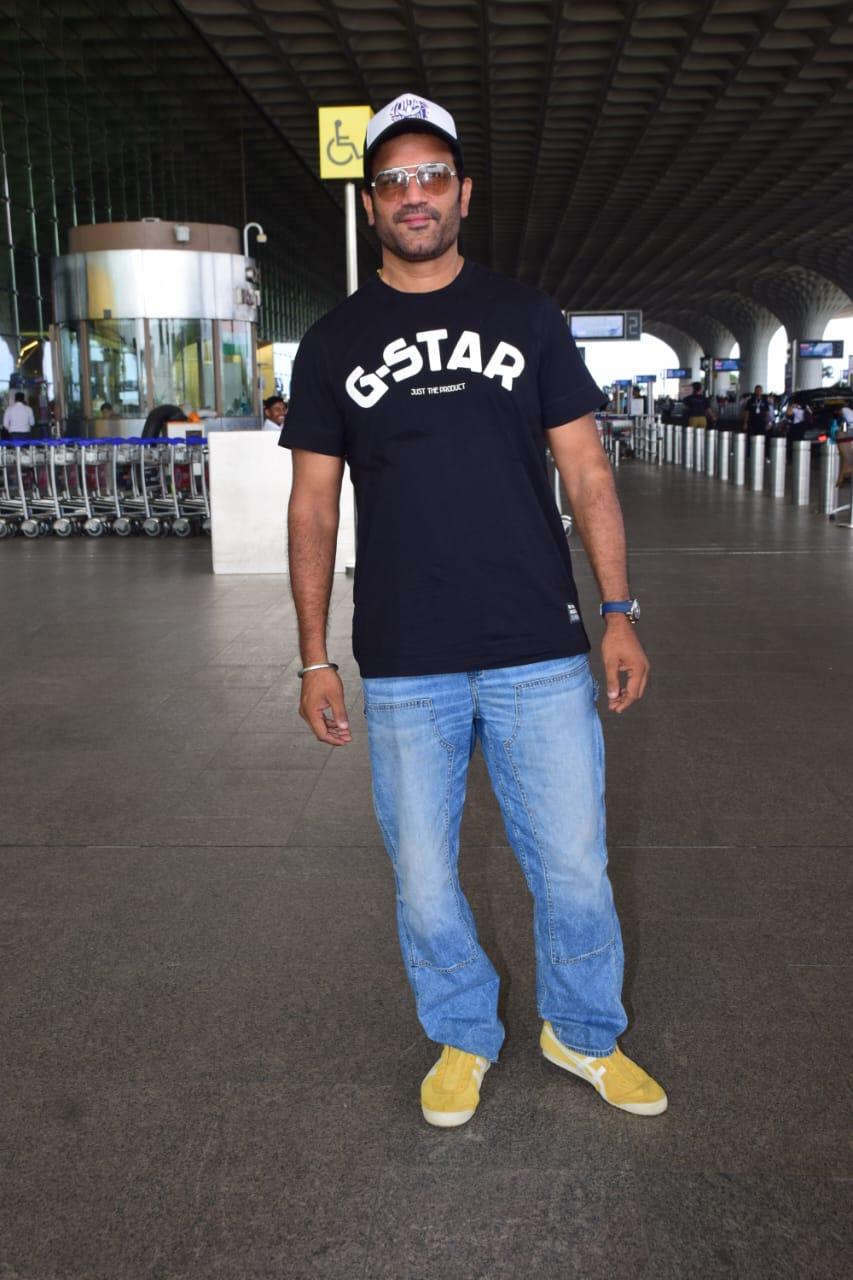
(542,742)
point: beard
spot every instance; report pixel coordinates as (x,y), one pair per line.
(430,243)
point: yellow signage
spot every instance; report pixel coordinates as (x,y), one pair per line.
(342,131)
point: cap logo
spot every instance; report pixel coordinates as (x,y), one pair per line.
(409,107)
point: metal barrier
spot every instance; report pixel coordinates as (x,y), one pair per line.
(724,455)
(689,447)
(739,469)
(778,463)
(802,483)
(830,465)
(756,463)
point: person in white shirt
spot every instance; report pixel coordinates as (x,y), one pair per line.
(275,411)
(18,418)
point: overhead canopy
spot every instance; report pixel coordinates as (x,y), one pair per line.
(675,155)
(687,157)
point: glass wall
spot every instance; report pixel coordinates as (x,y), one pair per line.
(116,368)
(182,363)
(235,345)
(69,348)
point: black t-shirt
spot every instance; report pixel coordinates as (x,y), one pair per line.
(757,408)
(697,405)
(438,402)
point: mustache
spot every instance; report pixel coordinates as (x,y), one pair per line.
(424,210)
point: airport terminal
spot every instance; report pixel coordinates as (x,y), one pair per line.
(215,1062)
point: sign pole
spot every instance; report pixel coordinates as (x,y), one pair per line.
(352,241)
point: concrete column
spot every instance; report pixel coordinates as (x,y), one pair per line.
(810,323)
(805,302)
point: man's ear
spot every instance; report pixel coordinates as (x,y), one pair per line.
(367,201)
(465,196)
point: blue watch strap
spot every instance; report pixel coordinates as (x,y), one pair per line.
(616,606)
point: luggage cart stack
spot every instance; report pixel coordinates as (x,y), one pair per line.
(98,486)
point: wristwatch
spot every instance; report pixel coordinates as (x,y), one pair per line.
(630,608)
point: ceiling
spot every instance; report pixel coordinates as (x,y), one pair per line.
(688,157)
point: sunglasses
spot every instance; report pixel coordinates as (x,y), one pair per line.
(433,180)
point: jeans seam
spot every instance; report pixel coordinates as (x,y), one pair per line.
(587,955)
(454,879)
(543,864)
(520,851)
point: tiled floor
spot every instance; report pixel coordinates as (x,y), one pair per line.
(210,1059)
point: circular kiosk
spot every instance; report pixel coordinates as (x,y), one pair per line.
(152,313)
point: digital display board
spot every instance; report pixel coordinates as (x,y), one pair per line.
(644,377)
(679,373)
(820,349)
(727,365)
(597,324)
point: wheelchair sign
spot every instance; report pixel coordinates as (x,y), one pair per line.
(342,131)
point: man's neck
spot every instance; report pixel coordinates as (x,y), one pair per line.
(420,277)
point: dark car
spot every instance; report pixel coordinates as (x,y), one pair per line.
(820,404)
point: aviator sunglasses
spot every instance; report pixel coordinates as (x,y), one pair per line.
(434,179)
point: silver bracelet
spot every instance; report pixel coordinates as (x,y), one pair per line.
(319,666)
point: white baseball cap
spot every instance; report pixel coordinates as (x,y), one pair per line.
(409,113)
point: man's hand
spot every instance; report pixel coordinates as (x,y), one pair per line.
(322,706)
(621,651)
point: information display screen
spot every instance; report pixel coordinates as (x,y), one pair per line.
(727,365)
(679,373)
(597,324)
(820,349)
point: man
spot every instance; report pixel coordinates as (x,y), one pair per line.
(275,412)
(441,384)
(18,419)
(698,407)
(756,413)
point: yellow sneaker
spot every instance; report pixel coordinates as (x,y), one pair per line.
(450,1092)
(619,1080)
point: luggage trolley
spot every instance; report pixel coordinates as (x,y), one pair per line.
(13,498)
(68,488)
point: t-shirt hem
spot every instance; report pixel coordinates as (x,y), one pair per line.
(383,669)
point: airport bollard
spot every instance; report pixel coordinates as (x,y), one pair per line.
(756,464)
(801,490)
(678,445)
(710,452)
(669,443)
(778,462)
(615,454)
(830,464)
(689,447)
(699,456)
(739,472)
(725,454)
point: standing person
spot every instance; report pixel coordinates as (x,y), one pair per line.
(18,419)
(756,413)
(698,407)
(441,384)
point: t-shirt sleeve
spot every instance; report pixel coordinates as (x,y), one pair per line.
(567,390)
(314,420)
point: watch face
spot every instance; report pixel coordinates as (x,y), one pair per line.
(634,611)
